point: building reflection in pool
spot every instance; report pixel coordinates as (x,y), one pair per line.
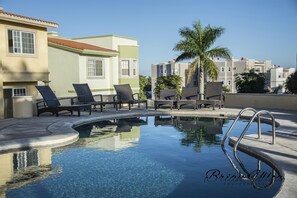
(20,168)
(197,131)
(111,135)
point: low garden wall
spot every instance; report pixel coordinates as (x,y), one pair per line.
(262,101)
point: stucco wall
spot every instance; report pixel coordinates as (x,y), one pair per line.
(100,85)
(35,66)
(22,69)
(262,101)
(64,68)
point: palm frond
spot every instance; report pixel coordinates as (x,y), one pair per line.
(220,52)
(192,69)
(211,68)
(210,36)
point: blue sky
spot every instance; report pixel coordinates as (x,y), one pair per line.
(256,29)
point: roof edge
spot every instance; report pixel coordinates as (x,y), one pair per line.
(102,36)
(83,52)
(6,16)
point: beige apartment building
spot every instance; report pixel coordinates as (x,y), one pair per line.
(171,68)
(229,68)
(23,57)
(278,77)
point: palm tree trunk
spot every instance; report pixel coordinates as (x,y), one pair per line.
(201,80)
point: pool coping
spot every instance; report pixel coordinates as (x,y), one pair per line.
(60,132)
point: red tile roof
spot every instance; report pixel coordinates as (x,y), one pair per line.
(77,45)
(2,12)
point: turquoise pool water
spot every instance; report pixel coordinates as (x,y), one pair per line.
(141,157)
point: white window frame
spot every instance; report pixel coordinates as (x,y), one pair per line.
(21,47)
(20,90)
(89,75)
(22,159)
(128,67)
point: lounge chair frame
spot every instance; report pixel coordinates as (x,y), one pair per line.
(51,103)
(213,95)
(189,97)
(124,95)
(85,96)
(166,97)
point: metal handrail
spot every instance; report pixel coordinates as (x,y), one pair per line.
(257,114)
(235,121)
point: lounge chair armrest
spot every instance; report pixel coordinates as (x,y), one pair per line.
(135,94)
(74,100)
(101,97)
(219,95)
(192,97)
(115,98)
(171,97)
(40,102)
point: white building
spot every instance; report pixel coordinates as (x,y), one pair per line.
(229,68)
(278,77)
(167,69)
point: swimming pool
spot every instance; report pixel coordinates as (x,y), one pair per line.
(141,157)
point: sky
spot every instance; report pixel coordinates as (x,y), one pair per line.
(254,29)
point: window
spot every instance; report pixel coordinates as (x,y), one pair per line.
(20,42)
(222,69)
(161,69)
(19,92)
(125,68)
(135,67)
(229,69)
(95,68)
(229,82)
(25,159)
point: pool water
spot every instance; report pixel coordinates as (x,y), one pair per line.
(141,157)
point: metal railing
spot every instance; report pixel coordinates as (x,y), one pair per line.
(257,114)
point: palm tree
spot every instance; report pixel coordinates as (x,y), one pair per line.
(196,44)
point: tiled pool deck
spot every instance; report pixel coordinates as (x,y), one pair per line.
(48,130)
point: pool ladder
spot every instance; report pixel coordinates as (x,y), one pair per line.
(257,115)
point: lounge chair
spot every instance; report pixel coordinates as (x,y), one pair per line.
(124,95)
(85,96)
(213,95)
(189,97)
(166,97)
(51,103)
